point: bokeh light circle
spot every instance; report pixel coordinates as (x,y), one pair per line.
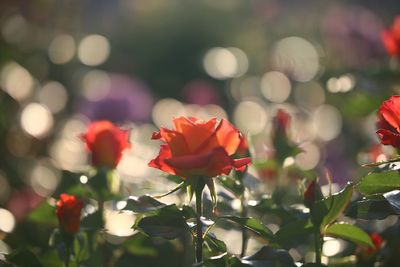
(93,50)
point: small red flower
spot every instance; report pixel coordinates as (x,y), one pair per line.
(391,38)
(106,142)
(389,122)
(199,148)
(68,212)
(378,242)
(368,252)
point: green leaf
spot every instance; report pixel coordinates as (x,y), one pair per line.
(163,226)
(313,264)
(93,221)
(23,258)
(253,225)
(349,232)
(266,205)
(268,256)
(68,181)
(378,183)
(377,164)
(327,210)
(217,261)
(188,212)
(44,214)
(292,232)
(167,222)
(214,244)
(232,184)
(142,204)
(370,209)
(393,197)
(140,245)
(222,260)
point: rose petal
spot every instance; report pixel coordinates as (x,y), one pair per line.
(159,161)
(225,136)
(175,140)
(390,111)
(241,164)
(210,164)
(195,131)
(389,138)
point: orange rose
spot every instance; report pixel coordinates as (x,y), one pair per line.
(106,142)
(199,148)
(68,212)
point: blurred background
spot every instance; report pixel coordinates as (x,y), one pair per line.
(140,63)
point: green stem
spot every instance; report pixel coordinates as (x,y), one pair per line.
(244,230)
(199,224)
(318,244)
(68,255)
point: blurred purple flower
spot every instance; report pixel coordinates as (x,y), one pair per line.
(127,100)
(353,33)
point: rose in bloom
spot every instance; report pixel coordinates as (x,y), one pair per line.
(68,212)
(199,148)
(389,122)
(106,142)
(391,38)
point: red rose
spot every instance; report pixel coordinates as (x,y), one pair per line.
(106,142)
(391,38)
(68,212)
(389,122)
(199,148)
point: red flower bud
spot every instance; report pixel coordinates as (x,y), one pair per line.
(199,148)
(367,252)
(106,142)
(282,122)
(310,194)
(68,212)
(391,38)
(389,122)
